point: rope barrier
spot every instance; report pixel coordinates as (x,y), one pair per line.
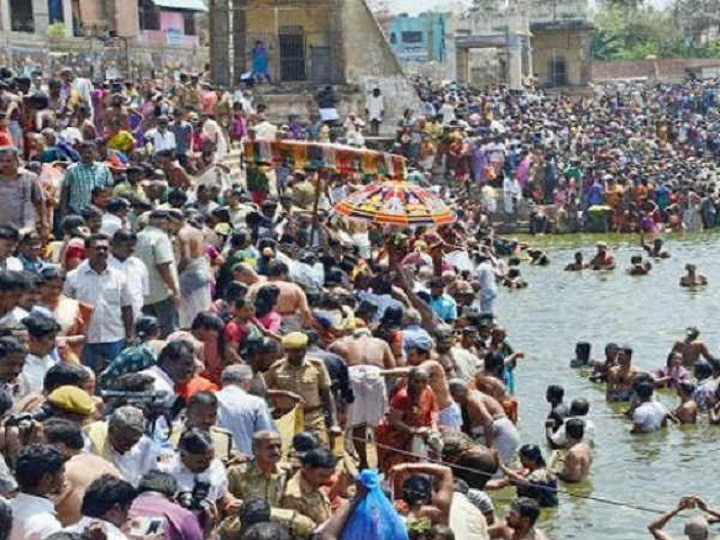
(594,498)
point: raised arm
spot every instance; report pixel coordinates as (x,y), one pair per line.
(658,524)
(443,474)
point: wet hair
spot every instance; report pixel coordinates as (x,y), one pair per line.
(527,508)
(158,481)
(575,428)
(34,461)
(555,392)
(417,489)
(579,407)
(644,390)
(533,453)
(60,430)
(104,493)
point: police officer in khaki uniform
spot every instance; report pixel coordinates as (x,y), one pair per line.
(265,478)
(307,377)
(302,492)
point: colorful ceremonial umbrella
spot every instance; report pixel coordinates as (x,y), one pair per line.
(396,203)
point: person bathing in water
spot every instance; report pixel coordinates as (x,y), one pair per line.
(692,349)
(638,267)
(620,378)
(603,259)
(655,250)
(578,264)
(686,412)
(693,278)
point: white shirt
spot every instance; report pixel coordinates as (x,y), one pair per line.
(107,292)
(111,531)
(138,280)
(242,415)
(215,475)
(161,141)
(14,264)
(375,106)
(33,518)
(486,277)
(448,113)
(213,131)
(161,380)
(649,416)
(266,130)
(33,373)
(111,224)
(136,462)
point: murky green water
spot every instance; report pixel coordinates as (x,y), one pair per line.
(648,313)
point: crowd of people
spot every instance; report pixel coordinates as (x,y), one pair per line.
(192,351)
(628,157)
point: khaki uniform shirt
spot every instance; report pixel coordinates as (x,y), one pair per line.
(307,380)
(246,481)
(306,500)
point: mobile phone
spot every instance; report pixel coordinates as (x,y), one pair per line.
(154,526)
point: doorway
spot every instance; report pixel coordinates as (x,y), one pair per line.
(291,41)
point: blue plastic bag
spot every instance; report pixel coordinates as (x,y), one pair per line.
(374,518)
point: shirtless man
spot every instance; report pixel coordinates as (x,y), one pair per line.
(603,259)
(638,267)
(485,421)
(620,378)
(686,412)
(457,362)
(655,250)
(692,349)
(693,278)
(520,522)
(603,367)
(577,264)
(193,274)
(366,356)
(292,303)
(491,386)
(578,456)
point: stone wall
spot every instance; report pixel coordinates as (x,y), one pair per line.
(370,63)
(568,44)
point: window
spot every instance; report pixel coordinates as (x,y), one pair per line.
(558,72)
(190,26)
(149,15)
(21,16)
(412,37)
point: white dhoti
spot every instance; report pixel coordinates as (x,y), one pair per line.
(194,291)
(370,395)
(450,418)
(506,438)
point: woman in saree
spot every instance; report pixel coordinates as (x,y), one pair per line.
(72,316)
(413,412)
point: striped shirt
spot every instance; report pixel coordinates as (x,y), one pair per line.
(81,178)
